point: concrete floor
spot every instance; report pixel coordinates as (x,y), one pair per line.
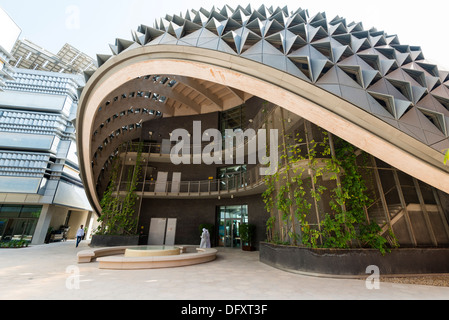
(51,272)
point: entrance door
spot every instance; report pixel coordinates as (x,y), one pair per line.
(230,219)
(232,234)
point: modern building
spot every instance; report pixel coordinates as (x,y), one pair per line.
(7,40)
(312,79)
(27,55)
(40,186)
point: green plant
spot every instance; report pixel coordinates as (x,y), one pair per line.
(349,225)
(294,196)
(270,225)
(247,233)
(14,244)
(118,214)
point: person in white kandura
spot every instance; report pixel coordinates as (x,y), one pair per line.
(205,239)
(79,235)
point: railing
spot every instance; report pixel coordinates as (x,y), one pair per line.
(237,183)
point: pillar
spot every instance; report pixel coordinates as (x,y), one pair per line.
(42,225)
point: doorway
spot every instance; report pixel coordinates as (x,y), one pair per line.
(230,219)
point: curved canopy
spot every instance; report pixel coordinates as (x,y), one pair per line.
(361,85)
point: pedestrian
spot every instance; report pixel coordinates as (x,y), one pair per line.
(205,239)
(79,235)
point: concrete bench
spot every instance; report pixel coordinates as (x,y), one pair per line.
(113,258)
(87,256)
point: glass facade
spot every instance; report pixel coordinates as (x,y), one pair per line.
(233,119)
(231,177)
(18,222)
(230,219)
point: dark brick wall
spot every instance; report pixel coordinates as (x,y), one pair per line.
(193,212)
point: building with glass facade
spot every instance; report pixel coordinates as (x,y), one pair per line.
(321,84)
(40,186)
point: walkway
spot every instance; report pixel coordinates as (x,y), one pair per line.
(48,272)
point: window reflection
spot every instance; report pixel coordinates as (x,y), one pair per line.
(18,222)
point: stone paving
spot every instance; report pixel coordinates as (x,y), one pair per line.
(51,272)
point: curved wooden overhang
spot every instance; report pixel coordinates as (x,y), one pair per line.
(203,76)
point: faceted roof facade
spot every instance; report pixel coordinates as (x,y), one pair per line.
(368,68)
(362,85)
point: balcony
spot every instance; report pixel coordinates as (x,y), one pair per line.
(244,184)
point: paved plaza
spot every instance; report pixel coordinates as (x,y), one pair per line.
(51,272)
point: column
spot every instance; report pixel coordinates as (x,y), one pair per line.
(42,225)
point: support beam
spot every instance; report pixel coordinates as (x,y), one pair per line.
(239,94)
(404,209)
(393,221)
(425,212)
(206,93)
(440,211)
(317,211)
(381,192)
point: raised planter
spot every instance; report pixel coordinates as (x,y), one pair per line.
(100,241)
(354,262)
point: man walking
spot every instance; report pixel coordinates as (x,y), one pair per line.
(79,235)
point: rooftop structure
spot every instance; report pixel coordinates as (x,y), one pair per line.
(69,60)
(7,40)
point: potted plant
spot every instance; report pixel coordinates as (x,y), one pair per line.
(247,233)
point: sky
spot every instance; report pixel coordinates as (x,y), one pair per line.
(91,25)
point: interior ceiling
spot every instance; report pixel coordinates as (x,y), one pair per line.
(149,97)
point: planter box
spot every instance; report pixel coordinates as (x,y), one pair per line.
(100,241)
(354,262)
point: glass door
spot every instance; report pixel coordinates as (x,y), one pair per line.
(230,219)
(232,234)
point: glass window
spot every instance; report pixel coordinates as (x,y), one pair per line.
(31,212)
(231,177)
(18,222)
(233,119)
(10,211)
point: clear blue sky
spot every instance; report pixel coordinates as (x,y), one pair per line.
(90,25)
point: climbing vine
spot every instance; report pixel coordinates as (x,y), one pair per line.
(118,214)
(349,226)
(298,188)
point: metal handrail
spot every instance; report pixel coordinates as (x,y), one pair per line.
(242,181)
